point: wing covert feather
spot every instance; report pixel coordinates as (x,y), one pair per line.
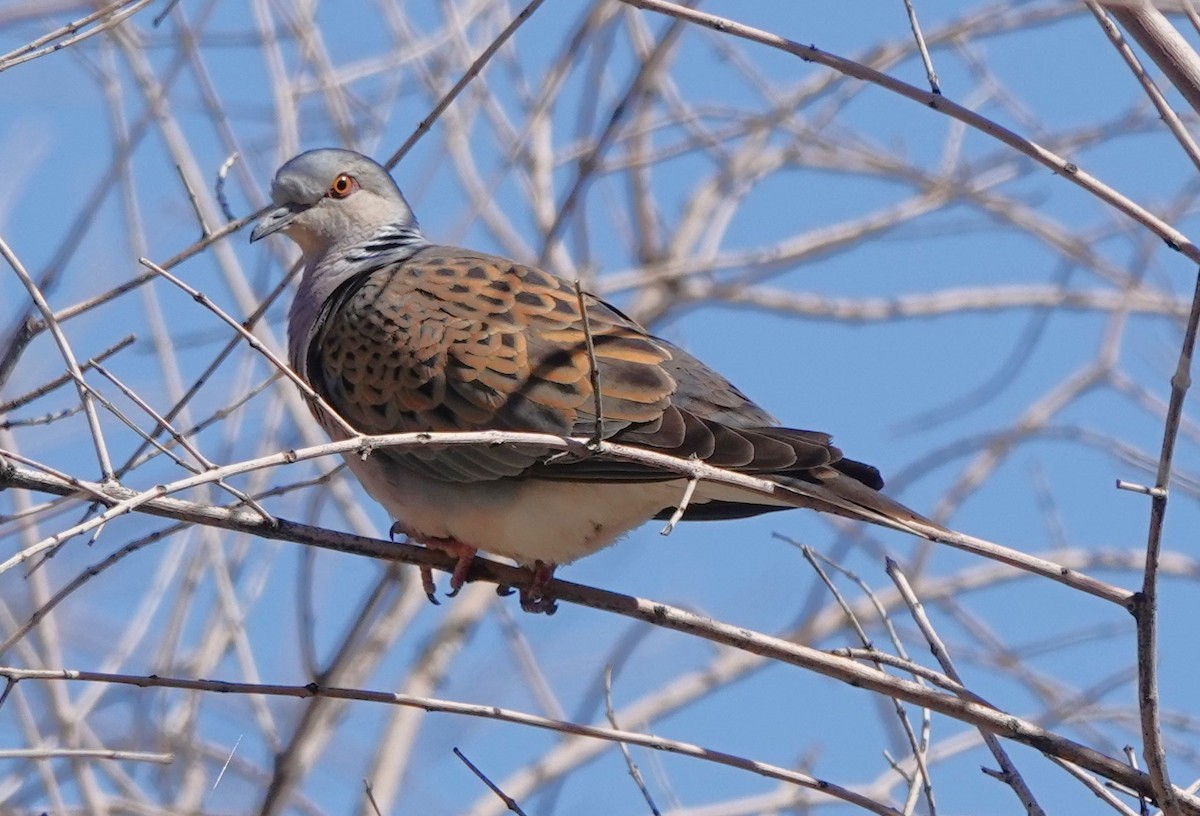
(451,340)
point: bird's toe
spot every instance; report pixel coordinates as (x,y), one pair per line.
(428,585)
(536,598)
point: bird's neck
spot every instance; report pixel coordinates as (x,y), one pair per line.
(390,243)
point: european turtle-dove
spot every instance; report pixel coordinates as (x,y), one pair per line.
(398,334)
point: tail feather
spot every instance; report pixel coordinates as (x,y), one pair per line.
(826,489)
(832,491)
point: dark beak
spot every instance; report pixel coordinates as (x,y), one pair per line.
(276,220)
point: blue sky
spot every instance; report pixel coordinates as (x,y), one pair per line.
(864,381)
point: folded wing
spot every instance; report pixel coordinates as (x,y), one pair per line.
(451,340)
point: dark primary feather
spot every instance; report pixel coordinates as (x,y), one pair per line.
(455,340)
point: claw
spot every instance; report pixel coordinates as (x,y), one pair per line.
(462,566)
(504,590)
(535,599)
(428,585)
(464,554)
(539,606)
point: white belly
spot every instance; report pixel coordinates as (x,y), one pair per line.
(526,520)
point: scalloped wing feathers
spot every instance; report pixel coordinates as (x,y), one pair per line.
(450,339)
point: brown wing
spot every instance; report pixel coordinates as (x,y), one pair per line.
(454,340)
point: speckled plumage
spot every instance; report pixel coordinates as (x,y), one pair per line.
(398,334)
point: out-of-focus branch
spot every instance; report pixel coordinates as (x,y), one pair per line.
(1183,56)
(1169,50)
(74,32)
(469,710)
(848,671)
(477,66)
(1061,166)
(64,347)
(1009,773)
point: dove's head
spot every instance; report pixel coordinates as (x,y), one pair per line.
(331,197)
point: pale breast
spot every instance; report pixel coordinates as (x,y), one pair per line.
(526,520)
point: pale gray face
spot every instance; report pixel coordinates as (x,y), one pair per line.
(330,196)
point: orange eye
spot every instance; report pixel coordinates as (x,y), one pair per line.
(342,186)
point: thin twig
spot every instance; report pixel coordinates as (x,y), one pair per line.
(33,50)
(1061,166)
(136,457)
(1131,757)
(1090,782)
(57,382)
(1134,487)
(85,753)
(1008,771)
(922,48)
(680,508)
(1145,605)
(195,202)
(225,765)
(923,780)
(593,368)
(471,73)
(978,714)
(82,578)
(255,344)
(222,173)
(179,438)
(162,15)
(1172,120)
(509,802)
(371,797)
(10,683)
(85,396)
(1005,724)
(634,771)
(689,468)
(909,667)
(44,419)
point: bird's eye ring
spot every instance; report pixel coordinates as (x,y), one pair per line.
(342,186)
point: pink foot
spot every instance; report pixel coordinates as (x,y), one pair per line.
(535,598)
(463,553)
